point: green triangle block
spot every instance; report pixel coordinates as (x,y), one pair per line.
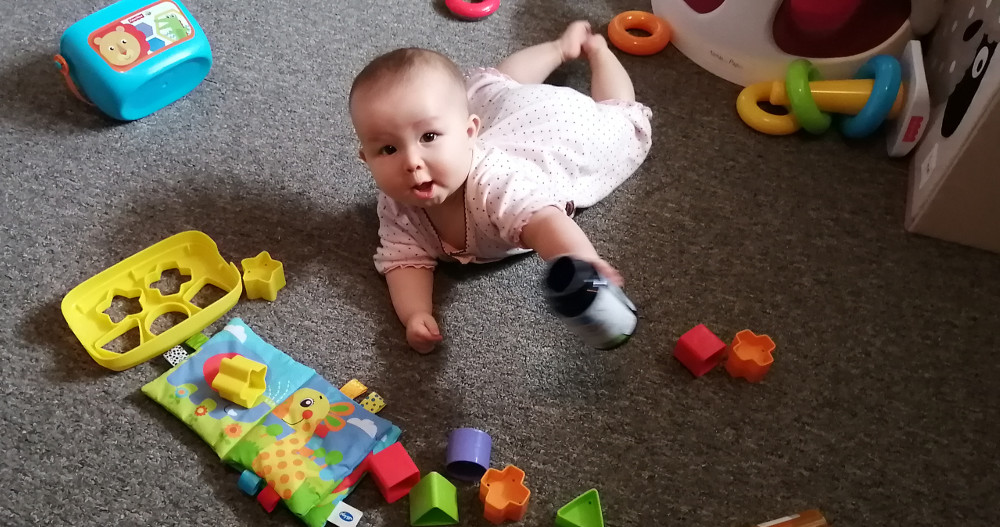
(433,501)
(584,511)
(435,517)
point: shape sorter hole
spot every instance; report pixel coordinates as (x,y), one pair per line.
(124,342)
(170,281)
(166,321)
(208,295)
(123,306)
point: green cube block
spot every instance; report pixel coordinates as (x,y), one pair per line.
(433,501)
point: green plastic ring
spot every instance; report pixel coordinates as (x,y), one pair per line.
(804,108)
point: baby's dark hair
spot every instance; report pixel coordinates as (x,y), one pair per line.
(398,63)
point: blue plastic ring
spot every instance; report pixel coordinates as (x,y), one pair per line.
(888,76)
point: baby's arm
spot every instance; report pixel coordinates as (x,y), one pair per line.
(411,290)
(551,233)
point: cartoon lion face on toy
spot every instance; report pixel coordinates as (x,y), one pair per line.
(120,47)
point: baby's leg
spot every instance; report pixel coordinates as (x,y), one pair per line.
(533,65)
(608,78)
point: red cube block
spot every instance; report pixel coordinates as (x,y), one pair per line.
(699,350)
(394,472)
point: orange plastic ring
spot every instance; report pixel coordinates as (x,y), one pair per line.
(659,33)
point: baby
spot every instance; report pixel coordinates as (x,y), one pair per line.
(478,167)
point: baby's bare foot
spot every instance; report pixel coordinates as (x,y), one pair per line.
(573,39)
(594,44)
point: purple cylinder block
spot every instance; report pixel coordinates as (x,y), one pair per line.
(468,453)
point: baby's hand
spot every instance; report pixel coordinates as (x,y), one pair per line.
(422,332)
(608,272)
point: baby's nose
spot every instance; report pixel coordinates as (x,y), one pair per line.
(413,161)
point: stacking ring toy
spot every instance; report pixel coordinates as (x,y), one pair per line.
(797,78)
(755,117)
(888,77)
(659,33)
(472,10)
(878,92)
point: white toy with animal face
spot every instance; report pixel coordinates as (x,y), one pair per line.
(954,190)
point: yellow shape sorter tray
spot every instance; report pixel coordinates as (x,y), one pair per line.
(192,253)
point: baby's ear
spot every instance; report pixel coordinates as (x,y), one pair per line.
(473,129)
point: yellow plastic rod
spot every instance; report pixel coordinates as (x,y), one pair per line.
(838,96)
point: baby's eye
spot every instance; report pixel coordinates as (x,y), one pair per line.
(428,137)
(387,150)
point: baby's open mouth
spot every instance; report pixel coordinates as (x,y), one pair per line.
(424,190)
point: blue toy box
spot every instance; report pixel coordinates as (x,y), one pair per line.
(134,57)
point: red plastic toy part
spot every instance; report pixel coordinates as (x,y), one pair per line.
(699,350)
(750,356)
(822,17)
(268,498)
(355,476)
(394,472)
(472,10)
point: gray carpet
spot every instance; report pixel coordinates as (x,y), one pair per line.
(881,407)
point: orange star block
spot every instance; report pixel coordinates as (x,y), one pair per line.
(504,496)
(262,276)
(750,356)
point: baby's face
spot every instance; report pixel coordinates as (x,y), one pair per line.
(416,136)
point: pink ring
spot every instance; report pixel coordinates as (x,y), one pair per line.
(470,10)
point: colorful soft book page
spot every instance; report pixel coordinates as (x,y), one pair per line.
(303,438)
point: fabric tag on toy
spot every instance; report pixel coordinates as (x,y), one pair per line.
(373,403)
(175,355)
(353,389)
(345,516)
(196,341)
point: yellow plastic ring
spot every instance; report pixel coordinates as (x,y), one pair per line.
(659,33)
(757,118)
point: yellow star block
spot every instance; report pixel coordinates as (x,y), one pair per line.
(263,276)
(240,380)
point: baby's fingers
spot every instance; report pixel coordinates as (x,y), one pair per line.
(609,272)
(433,332)
(423,335)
